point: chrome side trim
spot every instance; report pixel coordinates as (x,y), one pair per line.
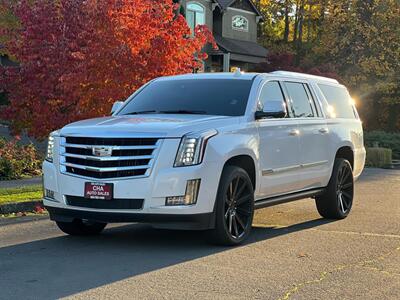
(292,168)
(267,172)
(280,170)
(314,164)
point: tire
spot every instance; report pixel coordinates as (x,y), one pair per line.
(79,227)
(337,200)
(234,207)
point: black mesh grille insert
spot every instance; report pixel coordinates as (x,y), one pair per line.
(107,164)
(105,204)
(104,175)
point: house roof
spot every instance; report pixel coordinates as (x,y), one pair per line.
(224,4)
(241,47)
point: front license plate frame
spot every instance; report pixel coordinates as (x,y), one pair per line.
(99,190)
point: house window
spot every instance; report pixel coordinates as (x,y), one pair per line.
(195,15)
(240,23)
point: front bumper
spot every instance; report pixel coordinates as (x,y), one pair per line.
(170,221)
(164,181)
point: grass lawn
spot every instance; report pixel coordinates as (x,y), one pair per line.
(21,194)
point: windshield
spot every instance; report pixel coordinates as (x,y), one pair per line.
(224,97)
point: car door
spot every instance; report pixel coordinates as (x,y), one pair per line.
(313,135)
(279,146)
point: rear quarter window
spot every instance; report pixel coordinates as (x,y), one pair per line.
(339,99)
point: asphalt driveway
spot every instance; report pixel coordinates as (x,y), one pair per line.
(292,254)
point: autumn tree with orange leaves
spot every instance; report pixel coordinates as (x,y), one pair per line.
(77,57)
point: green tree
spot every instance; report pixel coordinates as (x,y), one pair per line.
(362,37)
(291,25)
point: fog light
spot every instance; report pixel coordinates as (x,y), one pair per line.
(175,200)
(190,197)
(49,194)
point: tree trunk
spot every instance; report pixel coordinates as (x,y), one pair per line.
(309,20)
(321,17)
(296,22)
(299,40)
(300,22)
(287,22)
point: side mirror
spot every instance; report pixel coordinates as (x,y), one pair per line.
(272,109)
(116,106)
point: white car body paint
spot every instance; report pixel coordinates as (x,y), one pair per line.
(289,154)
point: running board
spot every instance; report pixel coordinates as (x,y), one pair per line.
(287,198)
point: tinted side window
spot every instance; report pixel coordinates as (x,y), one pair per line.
(301,103)
(338,97)
(271,92)
(314,104)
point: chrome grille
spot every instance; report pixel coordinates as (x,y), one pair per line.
(107,158)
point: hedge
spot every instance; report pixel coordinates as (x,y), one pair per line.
(383,140)
(379,157)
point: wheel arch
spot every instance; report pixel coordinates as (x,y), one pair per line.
(247,163)
(346,152)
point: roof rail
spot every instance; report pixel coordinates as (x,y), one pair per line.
(303,75)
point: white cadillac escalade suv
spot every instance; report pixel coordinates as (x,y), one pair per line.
(203,151)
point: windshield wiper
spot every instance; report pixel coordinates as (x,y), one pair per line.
(141,112)
(182,111)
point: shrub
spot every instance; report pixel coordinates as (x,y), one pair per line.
(379,157)
(385,140)
(17,161)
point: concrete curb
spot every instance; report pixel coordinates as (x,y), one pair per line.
(10,208)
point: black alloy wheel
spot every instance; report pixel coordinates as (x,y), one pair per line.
(345,188)
(234,207)
(337,200)
(238,205)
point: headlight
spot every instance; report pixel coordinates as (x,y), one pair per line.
(50,146)
(192,147)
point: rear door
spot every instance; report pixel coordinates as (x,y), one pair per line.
(313,135)
(279,146)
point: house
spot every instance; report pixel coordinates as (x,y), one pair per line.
(234,25)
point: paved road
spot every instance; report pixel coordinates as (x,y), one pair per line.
(292,254)
(20,182)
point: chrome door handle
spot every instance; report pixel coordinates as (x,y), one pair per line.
(323,130)
(294,132)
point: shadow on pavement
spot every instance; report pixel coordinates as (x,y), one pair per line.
(63,266)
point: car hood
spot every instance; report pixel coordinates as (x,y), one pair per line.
(157,125)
